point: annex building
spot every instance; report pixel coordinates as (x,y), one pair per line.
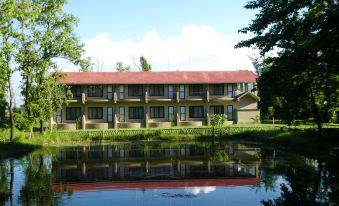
(103,100)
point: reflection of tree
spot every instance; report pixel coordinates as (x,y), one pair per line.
(36,189)
(4,195)
(306,186)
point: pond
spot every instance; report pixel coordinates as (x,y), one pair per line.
(169,173)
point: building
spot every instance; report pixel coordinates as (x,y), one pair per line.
(105,100)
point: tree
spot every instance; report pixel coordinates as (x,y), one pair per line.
(121,68)
(271,111)
(145,66)
(46,33)
(305,71)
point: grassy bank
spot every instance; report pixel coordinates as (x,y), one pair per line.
(300,136)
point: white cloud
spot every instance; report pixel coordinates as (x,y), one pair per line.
(196,48)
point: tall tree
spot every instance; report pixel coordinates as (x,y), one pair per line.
(304,74)
(121,68)
(46,33)
(145,66)
(8,46)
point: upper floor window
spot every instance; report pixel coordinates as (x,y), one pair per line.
(217,89)
(195,89)
(230,90)
(135,90)
(76,91)
(95,113)
(156,90)
(95,91)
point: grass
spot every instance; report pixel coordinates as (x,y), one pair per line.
(304,136)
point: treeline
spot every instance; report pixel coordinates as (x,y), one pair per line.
(33,35)
(301,79)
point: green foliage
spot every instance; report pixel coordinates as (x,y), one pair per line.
(220,156)
(304,74)
(21,121)
(121,68)
(218,120)
(145,66)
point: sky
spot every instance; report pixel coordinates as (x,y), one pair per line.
(171,34)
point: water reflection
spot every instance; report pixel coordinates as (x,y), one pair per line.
(171,173)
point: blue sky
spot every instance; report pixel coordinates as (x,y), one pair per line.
(133,18)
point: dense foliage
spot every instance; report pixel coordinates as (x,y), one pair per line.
(302,80)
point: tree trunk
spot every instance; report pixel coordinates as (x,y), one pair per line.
(11,117)
(316,112)
(41,126)
(273,120)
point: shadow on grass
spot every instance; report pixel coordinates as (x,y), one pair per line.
(16,149)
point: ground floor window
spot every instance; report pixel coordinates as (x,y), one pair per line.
(229,112)
(58,115)
(182,113)
(73,113)
(217,109)
(95,113)
(157,112)
(171,113)
(122,114)
(135,112)
(109,114)
(196,111)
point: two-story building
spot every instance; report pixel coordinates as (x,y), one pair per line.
(157,99)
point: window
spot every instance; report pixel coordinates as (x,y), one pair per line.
(195,89)
(73,113)
(240,87)
(217,89)
(76,91)
(58,115)
(109,92)
(170,91)
(135,112)
(182,113)
(109,114)
(182,91)
(196,111)
(156,90)
(246,87)
(121,92)
(95,91)
(230,90)
(250,87)
(135,90)
(95,113)
(171,113)
(122,114)
(229,112)
(217,109)
(157,112)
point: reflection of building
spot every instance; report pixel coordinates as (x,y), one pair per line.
(131,162)
(104,100)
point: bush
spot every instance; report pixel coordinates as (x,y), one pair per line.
(218,120)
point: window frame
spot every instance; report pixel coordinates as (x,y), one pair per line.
(171,115)
(191,112)
(230,115)
(110,92)
(182,113)
(157,112)
(230,93)
(76,94)
(136,115)
(170,89)
(96,114)
(156,90)
(122,114)
(213,90)
(95,91)
(193,87)
(214,107)
(110,116)
(182,91)
(132,88)
(68,109)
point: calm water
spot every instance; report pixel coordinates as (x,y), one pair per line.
(169,173)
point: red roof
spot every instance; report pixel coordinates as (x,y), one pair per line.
(175,77)
(95,186)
